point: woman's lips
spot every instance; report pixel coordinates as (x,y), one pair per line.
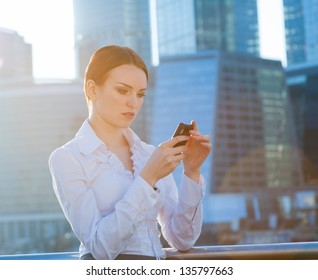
(129,115)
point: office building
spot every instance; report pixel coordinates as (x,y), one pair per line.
(301,31)
(241,102)
(15,57)
(106,22)
(35,119)
(302,82)
(188,26)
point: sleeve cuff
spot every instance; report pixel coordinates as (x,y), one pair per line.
(191,193)
(141,194)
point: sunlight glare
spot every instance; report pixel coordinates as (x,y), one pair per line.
(48,26)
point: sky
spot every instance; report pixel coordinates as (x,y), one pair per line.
(49,26)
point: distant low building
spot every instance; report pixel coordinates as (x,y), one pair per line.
(15,57)
(34,120)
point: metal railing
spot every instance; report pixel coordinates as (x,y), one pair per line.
(276,251)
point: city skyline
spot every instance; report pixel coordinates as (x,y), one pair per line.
(53,41)
(254,176)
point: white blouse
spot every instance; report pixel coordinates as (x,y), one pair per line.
(112,210)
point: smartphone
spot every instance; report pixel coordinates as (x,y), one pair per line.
(182,129)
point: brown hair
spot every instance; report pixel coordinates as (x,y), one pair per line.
(107,58)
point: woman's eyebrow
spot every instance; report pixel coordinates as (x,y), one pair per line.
(129,86)
(124,84)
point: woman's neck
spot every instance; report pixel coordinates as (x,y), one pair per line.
(110,135)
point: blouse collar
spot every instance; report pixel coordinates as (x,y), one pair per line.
(88,141)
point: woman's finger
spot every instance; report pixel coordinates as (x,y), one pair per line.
(195,127)
(202,138)
(179,157)
(179,149)
(195,132)
(171,142)
(207,145)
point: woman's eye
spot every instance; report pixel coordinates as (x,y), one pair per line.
(141,94)
(123,91)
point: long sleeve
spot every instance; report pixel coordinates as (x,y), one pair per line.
(181,218)
(104,236)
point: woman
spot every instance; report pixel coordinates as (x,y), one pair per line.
(114,188)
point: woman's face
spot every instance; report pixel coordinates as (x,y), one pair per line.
(119,99)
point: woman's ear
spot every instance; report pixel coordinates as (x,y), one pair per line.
(91,90)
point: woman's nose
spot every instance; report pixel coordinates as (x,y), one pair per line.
(133,101)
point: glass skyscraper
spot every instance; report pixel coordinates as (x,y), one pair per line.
(106,22)
(302,81)
(195,25)
(301,32)
(241,101)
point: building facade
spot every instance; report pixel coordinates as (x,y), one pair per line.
(241,102)
(199,25)
(106,22)
(35,119)
(302,82)
(15,57)
(301,20)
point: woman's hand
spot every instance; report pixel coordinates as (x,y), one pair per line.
(198,149)
(164,160)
